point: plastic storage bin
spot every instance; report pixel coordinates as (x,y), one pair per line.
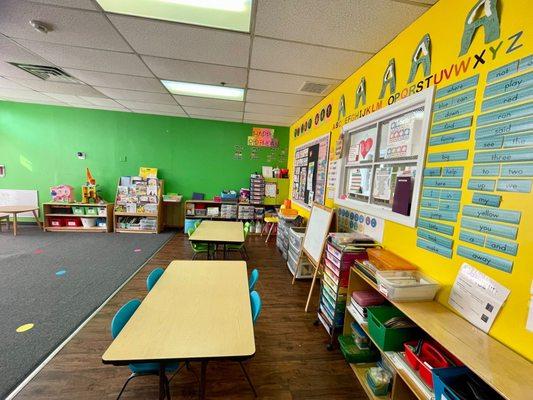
(354,354)
(388,339)
(91,210)
(72,222)
(88,222)
(448,380)
(378,380)
(102,211)
(406,286)
(57,221)
(189,223)
(76,210)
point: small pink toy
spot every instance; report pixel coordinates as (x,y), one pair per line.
(62,194)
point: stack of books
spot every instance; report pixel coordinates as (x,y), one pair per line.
(360,300)
(367,268)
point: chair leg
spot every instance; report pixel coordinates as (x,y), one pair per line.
(248,378)
(176,373)
(190,369)
(245,252)
(133,375)
(195,255)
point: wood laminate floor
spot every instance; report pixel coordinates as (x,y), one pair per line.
(291,360)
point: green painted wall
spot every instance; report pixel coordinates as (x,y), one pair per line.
(38,146)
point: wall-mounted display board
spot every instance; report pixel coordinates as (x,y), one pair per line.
(382,160)
(476,181)
(310,172)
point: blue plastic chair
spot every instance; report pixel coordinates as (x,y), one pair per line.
(254,276)
(120,319)
(153,278)
(255,300)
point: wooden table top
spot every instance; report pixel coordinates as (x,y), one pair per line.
(197,310)
(219,231)
(17,209)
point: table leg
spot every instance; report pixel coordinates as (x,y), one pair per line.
(37,219)
(224,251)
(162,388)
(202,380)
(14,224)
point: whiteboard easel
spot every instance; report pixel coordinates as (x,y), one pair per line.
(314,241)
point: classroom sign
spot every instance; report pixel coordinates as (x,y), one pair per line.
(262,137)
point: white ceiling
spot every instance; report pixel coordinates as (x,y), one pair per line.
(120,60)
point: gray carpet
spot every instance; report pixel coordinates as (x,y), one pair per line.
(94,266)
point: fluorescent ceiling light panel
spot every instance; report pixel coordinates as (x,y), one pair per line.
(198,90)
(225,14)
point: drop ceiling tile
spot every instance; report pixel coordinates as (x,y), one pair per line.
(58,87)
(88,59)
(67,98)
(82,4)
(274,119)
(169,114)
(103,102)
(12,51)
(286,83)
(188,71)
(209,112)
(184,42)
(365,25)
(216,118)
(118,81)
(10,71)
(139,105)
(304,59)
(283,99)
(8,84)
(118,107)
(282,111)
(217,104)
(149,97)
(69,26)
(23,94)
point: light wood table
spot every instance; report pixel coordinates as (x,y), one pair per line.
(218,232)
(198,310)
(15,210)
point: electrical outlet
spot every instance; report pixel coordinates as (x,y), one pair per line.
(81,155)
(123,158)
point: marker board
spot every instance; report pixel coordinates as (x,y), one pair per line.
(11,197)
(317,232)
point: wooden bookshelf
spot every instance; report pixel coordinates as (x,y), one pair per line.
(63,211)
(500,367)
(158,216)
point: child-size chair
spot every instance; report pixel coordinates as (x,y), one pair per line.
(197,248)
(254,276)
(120,319)
(241,248)
(153,278)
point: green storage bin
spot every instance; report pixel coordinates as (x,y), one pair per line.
(78,210)
(91,211)
(354,354)
(388,339)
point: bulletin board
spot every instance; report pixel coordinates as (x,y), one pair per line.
(310,172)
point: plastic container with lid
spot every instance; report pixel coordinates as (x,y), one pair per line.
(406,286)
(378,380)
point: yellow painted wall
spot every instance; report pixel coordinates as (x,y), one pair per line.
(445,22)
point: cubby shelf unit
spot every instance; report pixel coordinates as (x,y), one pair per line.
(65,210)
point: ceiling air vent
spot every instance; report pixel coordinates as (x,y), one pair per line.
(46,73)
(313,87)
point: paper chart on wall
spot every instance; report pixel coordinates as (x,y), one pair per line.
(332,178)
(400,136)
(477,297)
(382,183)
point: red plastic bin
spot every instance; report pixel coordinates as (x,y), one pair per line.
(56,221)
(430,353)
(73,222)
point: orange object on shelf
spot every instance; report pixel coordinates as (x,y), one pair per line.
(288,212)
(287,203)
(386,260)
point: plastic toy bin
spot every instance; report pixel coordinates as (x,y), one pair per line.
(448,381)
(354,354)
(77,210)
(56,221)
(388,339)
(406,286)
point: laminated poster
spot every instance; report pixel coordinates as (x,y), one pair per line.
(477,297)
(382,183)
(400,136)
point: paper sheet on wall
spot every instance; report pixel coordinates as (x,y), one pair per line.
(332,178)
(477,297)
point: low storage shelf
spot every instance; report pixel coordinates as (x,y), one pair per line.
(78,217)
(498,366)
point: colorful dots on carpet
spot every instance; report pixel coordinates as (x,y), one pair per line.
(24,328)
(61,272)
(137,250)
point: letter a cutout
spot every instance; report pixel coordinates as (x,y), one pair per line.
(389,77)
(342,107)
(360,93)
(422,55)
(489,21)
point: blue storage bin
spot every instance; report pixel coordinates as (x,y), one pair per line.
(229,195)
(443,376)
(189,223)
